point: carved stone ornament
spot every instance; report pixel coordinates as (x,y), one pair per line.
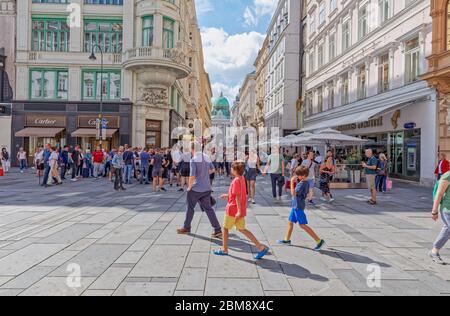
(153,96)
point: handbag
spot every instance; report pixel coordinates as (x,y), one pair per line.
(281,181)
(213,201)
(389,185)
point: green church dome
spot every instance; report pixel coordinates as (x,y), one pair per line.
(221,109)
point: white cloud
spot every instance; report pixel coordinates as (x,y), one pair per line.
(229,57)
(203,6)
(230,92)
(259,9)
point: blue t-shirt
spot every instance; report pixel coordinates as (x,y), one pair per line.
(145,157)
(301,193)
(371,162)
(128,157)
(158,161)
(201,164)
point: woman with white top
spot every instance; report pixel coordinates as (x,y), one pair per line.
(53,162)
(185,170)
(39,161)
(252,167)
(22,158)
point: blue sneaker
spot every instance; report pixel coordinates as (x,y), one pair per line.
(320,245)
(261,254)
(284,242)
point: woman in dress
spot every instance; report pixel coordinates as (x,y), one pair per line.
(327,170)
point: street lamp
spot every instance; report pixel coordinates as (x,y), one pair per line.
(94,58)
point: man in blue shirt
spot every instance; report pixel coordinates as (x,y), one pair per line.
(145,158)
(64,157)
(128,158)
(370,169)
(47,154)
(199,191)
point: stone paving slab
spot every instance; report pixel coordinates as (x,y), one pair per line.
(126,244)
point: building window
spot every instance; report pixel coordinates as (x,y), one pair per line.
(147,31)
(49,84)
(107,34)
(363,26)
(114,2)
(322,13)
(385,10)
(312,23)
(383,74)
(52,1)
(362,80)
(412,60)
(309,104)
(331,95)
(332,46)
(333,5)
(345,36)
(320,100)
(168,33)
(51,35)
(320,55)
(345,89)
(311,62)
(110,86)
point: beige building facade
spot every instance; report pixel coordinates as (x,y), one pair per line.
(152,68)
(7,70)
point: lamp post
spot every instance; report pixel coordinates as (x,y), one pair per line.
(100,116)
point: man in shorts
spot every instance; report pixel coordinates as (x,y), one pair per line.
(370,169)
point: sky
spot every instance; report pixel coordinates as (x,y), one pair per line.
(232,33)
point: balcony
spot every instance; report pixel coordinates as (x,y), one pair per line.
(156,65)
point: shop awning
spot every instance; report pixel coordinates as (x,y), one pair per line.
(39,132)
(90,132)
(351,118)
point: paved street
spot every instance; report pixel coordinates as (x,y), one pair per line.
(126,244)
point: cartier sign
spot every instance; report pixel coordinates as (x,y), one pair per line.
(46,121)
(91,121)
(153,125)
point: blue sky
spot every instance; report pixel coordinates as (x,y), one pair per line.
(232,34)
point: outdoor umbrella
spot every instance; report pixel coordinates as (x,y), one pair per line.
(331,137)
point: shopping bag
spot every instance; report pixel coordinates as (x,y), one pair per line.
(389,185)
(2,173)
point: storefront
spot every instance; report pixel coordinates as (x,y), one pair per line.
(153,133)
(86,133)
(69,123)
(176,120)
(41,129)
(408,138)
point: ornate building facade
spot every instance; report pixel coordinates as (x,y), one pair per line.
(152,71)
(364,60)
(7,70)
(439,67)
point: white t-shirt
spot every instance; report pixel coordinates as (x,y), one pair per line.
(22,155)
(54,159)
(312,168)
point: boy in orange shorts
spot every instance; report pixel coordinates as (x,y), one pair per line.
(237,211)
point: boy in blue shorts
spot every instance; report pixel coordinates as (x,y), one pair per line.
(299,191)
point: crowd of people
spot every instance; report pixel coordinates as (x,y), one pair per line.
(294,175)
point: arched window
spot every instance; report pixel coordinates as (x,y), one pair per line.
(448,25)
